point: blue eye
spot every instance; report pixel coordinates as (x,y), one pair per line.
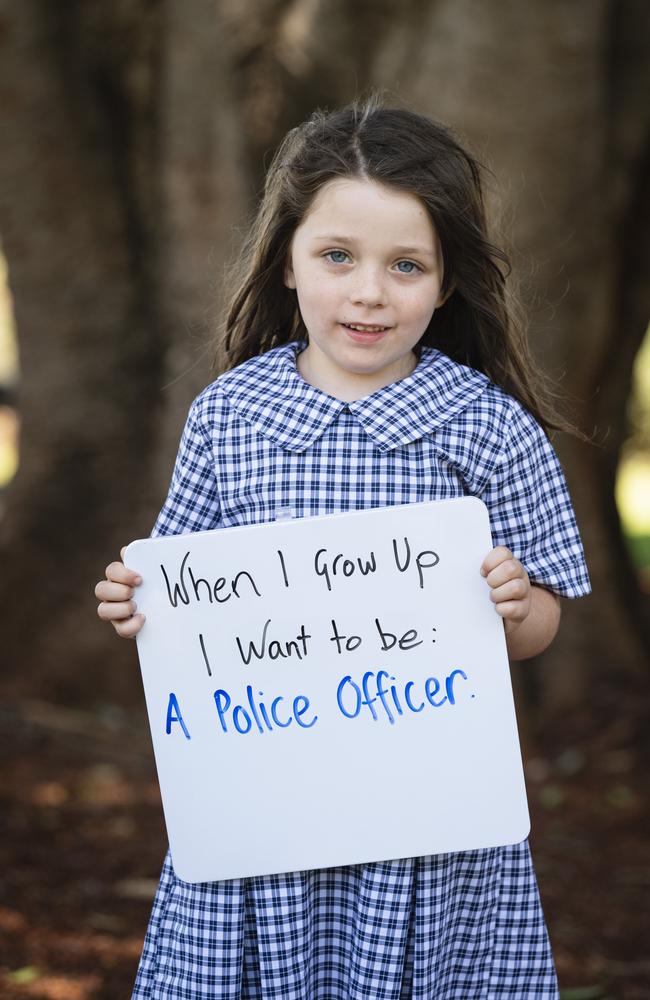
(410,264)
(337,256)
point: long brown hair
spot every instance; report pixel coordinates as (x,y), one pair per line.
(479,324)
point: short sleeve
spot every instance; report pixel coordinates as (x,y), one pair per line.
(531,511)
(192,502)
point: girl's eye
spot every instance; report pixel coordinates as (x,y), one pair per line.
(336,256)
(407,266)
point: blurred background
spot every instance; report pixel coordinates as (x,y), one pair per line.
(135,138)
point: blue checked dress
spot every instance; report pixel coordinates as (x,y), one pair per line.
(463,926)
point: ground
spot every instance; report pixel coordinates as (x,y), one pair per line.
(83,841)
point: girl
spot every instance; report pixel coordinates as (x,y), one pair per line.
(374,361)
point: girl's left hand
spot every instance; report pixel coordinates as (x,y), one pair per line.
(510,586)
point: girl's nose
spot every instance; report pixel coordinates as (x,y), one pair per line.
(368,287)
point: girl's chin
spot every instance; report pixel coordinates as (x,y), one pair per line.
(363,360)
(385,369)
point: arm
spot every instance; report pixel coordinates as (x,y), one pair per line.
(531,614)
(530,509)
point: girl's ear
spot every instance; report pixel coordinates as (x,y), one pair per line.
(289,277)
(447,295)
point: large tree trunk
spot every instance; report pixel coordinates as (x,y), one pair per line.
(117,186)
(82,267)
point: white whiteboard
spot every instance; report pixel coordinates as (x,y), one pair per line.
(329,691)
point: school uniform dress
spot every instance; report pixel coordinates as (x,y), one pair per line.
(463,926)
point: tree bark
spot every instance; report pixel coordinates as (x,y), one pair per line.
(113,196)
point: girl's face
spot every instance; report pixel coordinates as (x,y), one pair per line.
(367,268)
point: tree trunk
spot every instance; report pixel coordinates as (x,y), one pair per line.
(113,197)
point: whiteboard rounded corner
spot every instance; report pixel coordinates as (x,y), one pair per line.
(132,548)
(476,502)
(523,831)
(187,874)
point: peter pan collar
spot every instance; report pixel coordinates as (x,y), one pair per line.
(269,393)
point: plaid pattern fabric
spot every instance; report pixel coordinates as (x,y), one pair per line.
(258,442)
(465,926)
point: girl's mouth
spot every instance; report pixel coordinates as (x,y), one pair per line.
(365,327)
(365,332)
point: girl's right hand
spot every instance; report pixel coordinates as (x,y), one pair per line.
(115,595)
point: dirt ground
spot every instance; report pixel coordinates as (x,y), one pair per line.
(83,839)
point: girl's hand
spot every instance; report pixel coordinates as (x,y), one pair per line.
(115,594)
(510,587)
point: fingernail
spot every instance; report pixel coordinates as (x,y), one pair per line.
(138,580)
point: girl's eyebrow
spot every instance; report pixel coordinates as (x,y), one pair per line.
(333,238)
(418,251)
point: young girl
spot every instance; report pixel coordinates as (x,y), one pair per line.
(373,361)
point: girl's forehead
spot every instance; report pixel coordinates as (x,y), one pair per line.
(356,203)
